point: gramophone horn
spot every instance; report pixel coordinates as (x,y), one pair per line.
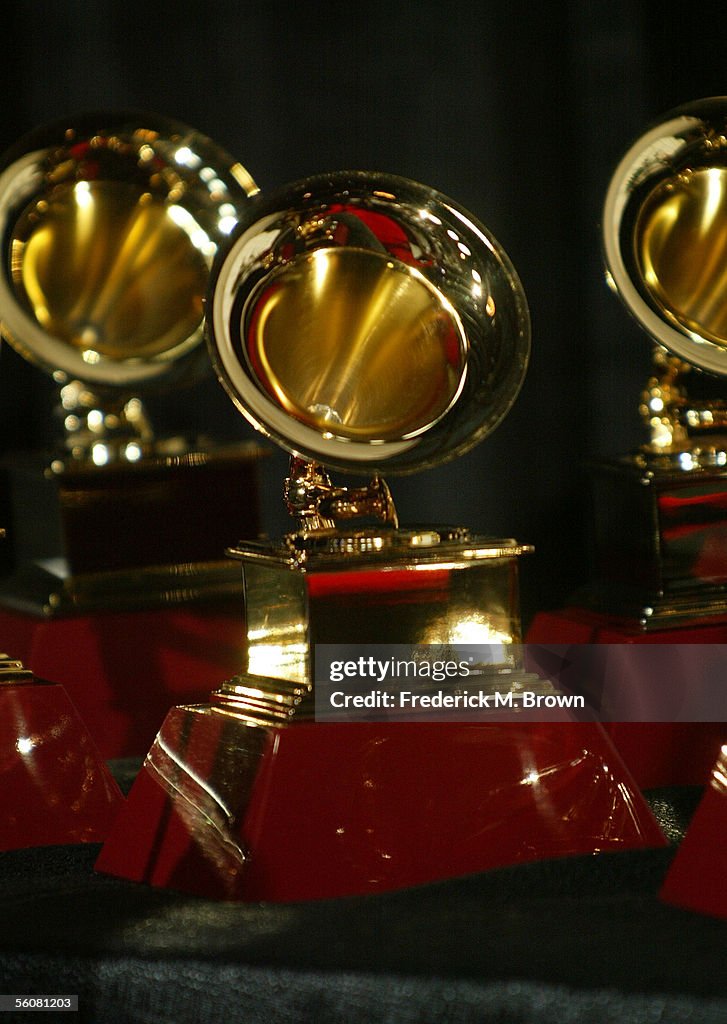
(110,222)
(665,232)
(367,322)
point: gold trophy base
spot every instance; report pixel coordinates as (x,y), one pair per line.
(661,541)
(127,535)
(375,586)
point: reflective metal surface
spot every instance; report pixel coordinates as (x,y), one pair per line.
(429,587)
(319,504)
(365,322)
(368,322)
(96,258)
(681,248)
(664,232)
(110,223)
(349,383)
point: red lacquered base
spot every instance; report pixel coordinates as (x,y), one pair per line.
(228,810)
(697,878)
(55,787)
(656,753)
(124,670)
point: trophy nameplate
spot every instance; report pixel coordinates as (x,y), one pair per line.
(369,325)
(110,222)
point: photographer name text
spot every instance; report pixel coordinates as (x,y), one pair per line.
(408,700)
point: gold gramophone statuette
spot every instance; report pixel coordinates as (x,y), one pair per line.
(110,225)
(662,511)
(368,325)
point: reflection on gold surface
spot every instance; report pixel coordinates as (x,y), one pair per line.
(12,672)
(681,247)
(355,344)
(110,272)
(456,591)
(719,773)
(479,629)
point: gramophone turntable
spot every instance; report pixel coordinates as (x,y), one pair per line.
(368,324)
(110,222)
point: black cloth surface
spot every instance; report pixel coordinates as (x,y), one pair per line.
(582,939)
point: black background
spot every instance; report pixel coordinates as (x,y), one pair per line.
(519,111)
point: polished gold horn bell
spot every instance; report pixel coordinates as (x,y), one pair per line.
(110,224)
(664,232)
(664,237)
(369,323)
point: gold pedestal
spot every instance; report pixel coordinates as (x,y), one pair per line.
(660,541)
(431,587)
(128,535)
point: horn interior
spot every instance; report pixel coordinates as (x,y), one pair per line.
(110,223)
(665,232)
(368,322)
